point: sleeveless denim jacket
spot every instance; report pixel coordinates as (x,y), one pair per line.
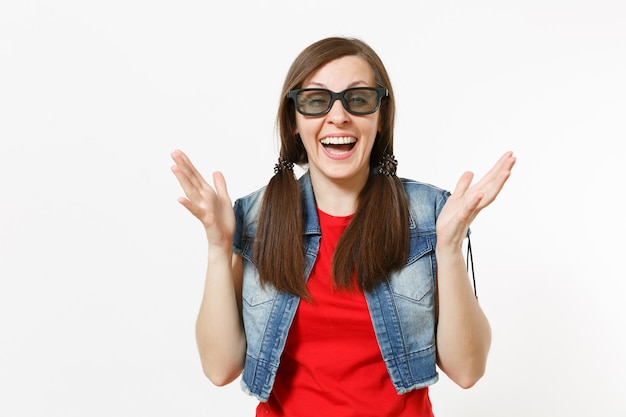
(402,310)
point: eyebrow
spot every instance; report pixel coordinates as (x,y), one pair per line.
(352,84)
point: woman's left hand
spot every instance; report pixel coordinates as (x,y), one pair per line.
(468,200)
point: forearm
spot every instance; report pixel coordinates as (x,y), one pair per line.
(219,329)
(463,332)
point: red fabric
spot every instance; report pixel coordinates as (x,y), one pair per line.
(332,365)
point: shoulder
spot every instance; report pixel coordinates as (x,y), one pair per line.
(248,206)
(421,190)
(246,210)
(251,199)
(425,203)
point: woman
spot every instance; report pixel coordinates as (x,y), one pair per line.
(334,293)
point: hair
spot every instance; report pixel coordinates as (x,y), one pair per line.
(376,242)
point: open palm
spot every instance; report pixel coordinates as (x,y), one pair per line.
(212,206)
(468,200)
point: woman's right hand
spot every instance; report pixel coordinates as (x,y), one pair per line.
(212,206)
(219,329)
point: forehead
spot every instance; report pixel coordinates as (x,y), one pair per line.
(342,73)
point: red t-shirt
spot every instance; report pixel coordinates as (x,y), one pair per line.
(331,365)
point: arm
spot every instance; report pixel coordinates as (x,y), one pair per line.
(463,332)
(219,328)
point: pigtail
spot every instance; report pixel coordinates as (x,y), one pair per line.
(278,252)
(377,240)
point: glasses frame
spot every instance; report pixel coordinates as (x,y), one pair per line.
(341,96)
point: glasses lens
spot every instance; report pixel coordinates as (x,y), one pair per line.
(361,100)
(318,101)
(313,102)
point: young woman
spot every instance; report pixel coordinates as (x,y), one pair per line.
(340,292)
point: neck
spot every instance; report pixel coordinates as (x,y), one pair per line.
(337,198)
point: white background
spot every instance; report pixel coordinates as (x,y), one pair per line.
(101,271)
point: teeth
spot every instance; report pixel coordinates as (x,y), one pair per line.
(338,140)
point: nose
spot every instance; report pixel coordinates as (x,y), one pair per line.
(337,113)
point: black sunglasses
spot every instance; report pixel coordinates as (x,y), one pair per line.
(318,101)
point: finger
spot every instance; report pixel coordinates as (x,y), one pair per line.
(463,184)
(185,203)
(187,167)
(503,164)
(194,209)
(194,185)
(183,168)
(494,187)
(499,177)
(190,189)
(220,187)
(473,207)
(493,181)
(504,160)
(183,180)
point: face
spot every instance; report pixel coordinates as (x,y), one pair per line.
(339,144)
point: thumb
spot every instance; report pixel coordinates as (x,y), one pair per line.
(220,186)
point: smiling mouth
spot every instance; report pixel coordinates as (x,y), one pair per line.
(338,145)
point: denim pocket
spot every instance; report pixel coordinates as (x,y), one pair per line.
(253,293)
(416,280)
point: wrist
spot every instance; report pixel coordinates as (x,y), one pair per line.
(220,249)
(449,253)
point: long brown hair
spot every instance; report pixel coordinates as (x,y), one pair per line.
(376,242)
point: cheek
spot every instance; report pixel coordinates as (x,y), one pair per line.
(303,126)
(307,128)
(374,127)
(379,123)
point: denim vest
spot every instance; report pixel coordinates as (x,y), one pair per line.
(402,310)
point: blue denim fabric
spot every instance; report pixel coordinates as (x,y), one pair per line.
(402,309)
